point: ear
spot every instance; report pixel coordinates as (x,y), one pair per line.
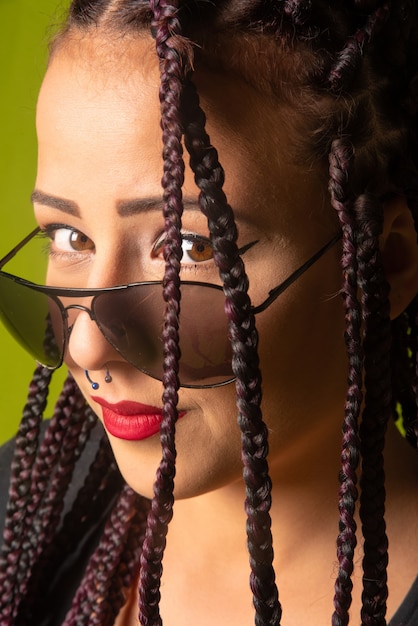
(399,249)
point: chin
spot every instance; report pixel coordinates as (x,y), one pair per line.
(139,470)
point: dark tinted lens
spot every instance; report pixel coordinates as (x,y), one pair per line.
(204,343)
(33,319)
(132,321)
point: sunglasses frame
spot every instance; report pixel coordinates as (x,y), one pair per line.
(56,292)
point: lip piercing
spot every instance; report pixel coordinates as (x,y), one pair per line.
(95,385)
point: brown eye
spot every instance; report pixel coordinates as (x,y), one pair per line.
(70,240)
(196,249)
(80,242)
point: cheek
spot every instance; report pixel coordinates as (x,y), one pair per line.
(303,362)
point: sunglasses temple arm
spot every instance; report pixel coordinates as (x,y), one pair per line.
(18,247)
(275,293)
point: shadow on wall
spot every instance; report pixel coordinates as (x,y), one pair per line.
(25,27)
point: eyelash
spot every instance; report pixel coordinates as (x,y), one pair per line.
(48,233)
(192,239)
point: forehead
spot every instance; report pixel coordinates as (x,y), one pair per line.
(87,78)
(123,73)
(99,112)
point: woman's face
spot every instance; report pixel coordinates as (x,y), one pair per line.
(98,196)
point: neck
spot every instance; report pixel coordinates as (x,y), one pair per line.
(206,568)
(210,529)
(305,486)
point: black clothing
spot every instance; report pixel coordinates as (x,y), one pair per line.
(407,614)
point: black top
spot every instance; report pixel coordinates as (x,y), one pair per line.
(69,575)
(407,614)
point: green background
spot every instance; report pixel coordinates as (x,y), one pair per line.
(26,27)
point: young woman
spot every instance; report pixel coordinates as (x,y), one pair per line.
(265,272)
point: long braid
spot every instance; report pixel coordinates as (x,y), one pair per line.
(209,178)
(173,64)
(68,443)
(377,411)
(53,464)
(121,562)
(53,453)
(373,428)
(12,553)
(341,162)
(75,436)
(101,483)
(113,566)
(38,530)
(377,345)
(92,502)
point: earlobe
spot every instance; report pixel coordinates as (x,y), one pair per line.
(399,249)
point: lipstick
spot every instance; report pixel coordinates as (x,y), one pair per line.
(131,421)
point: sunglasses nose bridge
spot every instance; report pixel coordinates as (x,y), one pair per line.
(80,307)
(71,319)
(86,344)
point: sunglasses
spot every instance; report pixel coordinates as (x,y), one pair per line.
(130,317)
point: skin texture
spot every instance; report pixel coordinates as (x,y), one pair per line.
(99,144)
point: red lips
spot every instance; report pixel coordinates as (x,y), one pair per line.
(131,421)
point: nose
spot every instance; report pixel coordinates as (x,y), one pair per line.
(87,348)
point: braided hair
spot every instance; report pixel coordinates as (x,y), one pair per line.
(354,76)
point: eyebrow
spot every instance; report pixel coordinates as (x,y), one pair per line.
(125,208)
(67,206)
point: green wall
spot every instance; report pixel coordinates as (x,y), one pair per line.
(25,27)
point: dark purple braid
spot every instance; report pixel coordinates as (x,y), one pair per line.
(102,481)
(91,505)
(23,589)
(173,66)
(209,177)
(341,161)
(350,58)
(64,440)
(378,408)
(13,549)
(59,449)
(46,490)
(113,567)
